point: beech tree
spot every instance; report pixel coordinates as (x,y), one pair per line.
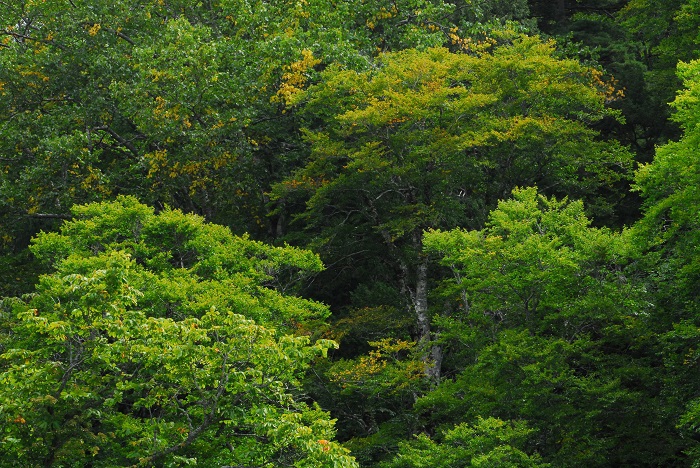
(489,442)
(550,324)
(668,237)
(175,102)
(432,139)
(159,339)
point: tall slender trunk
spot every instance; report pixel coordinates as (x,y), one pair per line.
(433,357)
(418,295)
(420,299)
(418,305)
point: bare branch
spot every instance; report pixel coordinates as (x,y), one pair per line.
(66,376)
(49,216)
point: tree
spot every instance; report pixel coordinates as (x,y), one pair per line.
(175,102)
(550,324)
(668,185)
(159,339)
(596,31)
(168,101)
(432,139)
(669,33)
(537,265)
(157,99)
(372,395)
(663,35)
(668,237)
(637,43)
(489,443)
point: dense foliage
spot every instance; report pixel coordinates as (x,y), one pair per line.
(443,233)
(160,339)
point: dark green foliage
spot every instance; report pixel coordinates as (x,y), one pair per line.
(520,335)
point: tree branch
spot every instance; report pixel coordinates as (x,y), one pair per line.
(120,35)
(49,216)
(212,404)
(23,37)
(127,144)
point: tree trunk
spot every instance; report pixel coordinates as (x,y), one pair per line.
(433,357)
(418,295)
(420,300)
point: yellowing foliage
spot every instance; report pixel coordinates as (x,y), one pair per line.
(382,14)
(156,160)
(94,29)
(388,365)
(294,77)
(609,87)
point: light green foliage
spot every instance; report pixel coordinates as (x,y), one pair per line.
(187,250)
(690,422)
(160,340)
(538,264)
(668,183)
(669,187)
(488,443)
(681,362)
(668,237)
(549,327)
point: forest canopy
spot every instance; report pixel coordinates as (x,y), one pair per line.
(406,233)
